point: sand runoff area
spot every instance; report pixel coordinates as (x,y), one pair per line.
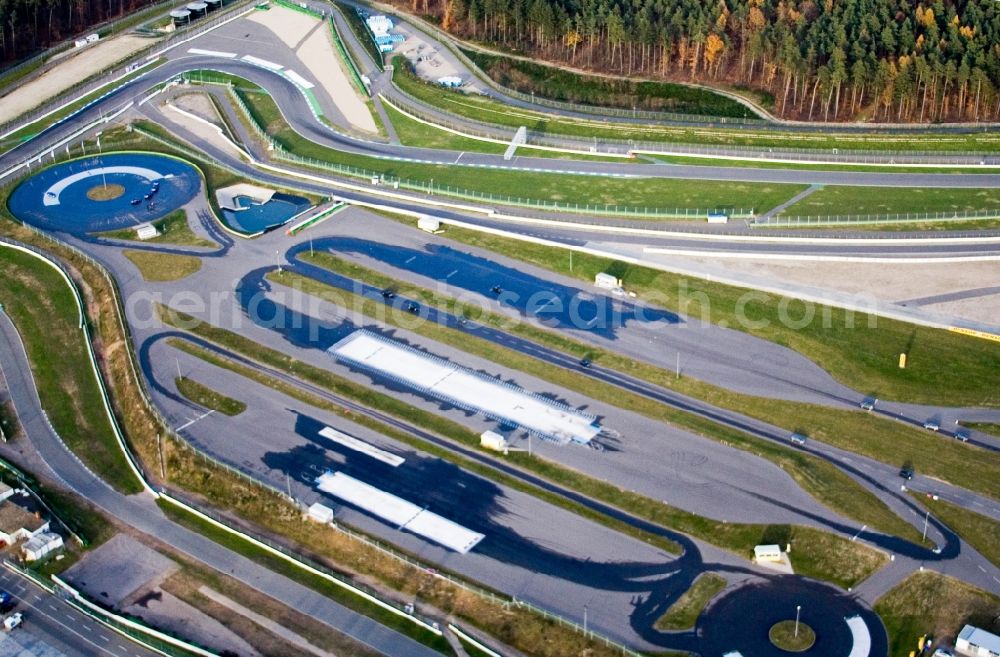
(313,45)
(68,72)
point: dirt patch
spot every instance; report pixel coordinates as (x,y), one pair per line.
(199,104)
(913,285)
(287,24)
(67,73)
(105,192)
(317,53)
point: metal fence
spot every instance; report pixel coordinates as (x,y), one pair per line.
(784,221)
(428,187)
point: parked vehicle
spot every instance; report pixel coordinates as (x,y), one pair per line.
(906,472)
(412,307)
(868,403)
(963,435)
(12,621)
(932,425)
(7,602)
(584,362)
(797,439)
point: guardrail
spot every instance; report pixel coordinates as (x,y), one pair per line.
(280,153)
(346,58)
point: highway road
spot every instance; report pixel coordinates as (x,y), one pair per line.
(53,628)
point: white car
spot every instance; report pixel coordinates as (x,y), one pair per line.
(12,621)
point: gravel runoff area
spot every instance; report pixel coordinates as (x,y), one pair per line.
(966,290)
(68,72)
(312,42)
(430,60)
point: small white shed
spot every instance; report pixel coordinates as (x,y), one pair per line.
(41,545)
(606,281)
(320,513)
(493,440)
(429,224)
(146,231)
(767,553)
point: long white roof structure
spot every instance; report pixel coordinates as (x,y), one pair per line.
(465,388)
(399,512)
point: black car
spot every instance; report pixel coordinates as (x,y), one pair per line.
(388,294)
(136,201)
(906,472)
(496,289)
(584,362)
(7,602)
(412,307)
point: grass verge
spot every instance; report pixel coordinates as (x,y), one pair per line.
(525,186)
(985,427)
(931,603)
(158,267)
(818,553)
(684,613)
(486,110)
(42,307)
(205,396)
(834,200)
(295,573)
(173,229)
(979,531)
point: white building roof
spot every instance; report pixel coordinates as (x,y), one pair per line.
(399,512)
(466,389)
(981,638)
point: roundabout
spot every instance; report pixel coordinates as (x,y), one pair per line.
(106,192)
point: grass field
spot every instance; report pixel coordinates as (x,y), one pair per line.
(510,186)
(861,351)
(158,267)
(622,93)
(683,614)
(818,554)
(985,427)
(491,111)
(819,478)
(211,399)
(173,228)
(414,133)
(979,531)
(44,311)
(930,603)
(893,200)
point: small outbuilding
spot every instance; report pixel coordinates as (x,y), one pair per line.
(41,546)
(428,224)
(320,513)
(146,231)
(606,281)
(770,553)
(19,524)
(494,441)
(976,642)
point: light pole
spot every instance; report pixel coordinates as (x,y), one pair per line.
(926,518)
(798,608)
(277,259)
(585,620)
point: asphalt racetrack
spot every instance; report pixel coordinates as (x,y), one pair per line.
(56,198)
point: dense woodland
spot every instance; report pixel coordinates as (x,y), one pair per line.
(829,60)
(27,26)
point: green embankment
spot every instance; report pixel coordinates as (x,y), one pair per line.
(486,110)
(568,189)
(930,603)
(43,309)
(683,614)
(173,229)
(210,399)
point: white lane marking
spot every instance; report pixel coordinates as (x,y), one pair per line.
(200,417)
(459,157)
